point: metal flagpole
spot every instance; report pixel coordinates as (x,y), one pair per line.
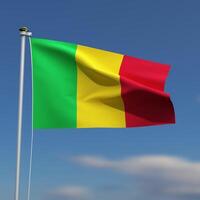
(24,32)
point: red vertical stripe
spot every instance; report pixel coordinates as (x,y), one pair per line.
(142,90)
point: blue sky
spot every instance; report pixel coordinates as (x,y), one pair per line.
(140,163)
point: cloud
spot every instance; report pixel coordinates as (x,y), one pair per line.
(70,192)
(93,161)
(198,98)
(157,176)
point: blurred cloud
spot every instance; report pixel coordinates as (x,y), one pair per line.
(198,98)
(70,192)
(158,177)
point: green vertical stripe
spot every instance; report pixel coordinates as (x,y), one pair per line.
(54,84)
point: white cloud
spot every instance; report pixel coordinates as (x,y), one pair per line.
(71,192)
(163,175)
(93,161)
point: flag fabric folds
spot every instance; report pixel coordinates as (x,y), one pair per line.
(76,86)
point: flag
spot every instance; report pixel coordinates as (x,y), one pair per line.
(76,86)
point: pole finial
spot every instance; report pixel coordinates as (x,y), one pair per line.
(24,28)
(24,31)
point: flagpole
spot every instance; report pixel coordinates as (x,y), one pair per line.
(24,32)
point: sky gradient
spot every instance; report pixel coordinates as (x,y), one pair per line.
(160,162)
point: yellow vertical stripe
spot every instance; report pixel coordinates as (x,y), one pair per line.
(99,102)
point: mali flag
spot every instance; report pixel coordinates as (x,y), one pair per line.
(76,86)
